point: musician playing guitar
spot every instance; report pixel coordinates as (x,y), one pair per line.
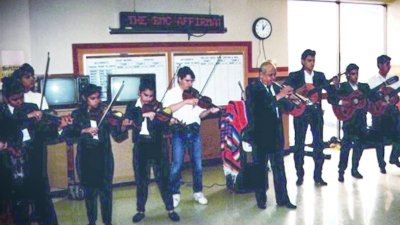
(354,128)
(388,123)
(312,116)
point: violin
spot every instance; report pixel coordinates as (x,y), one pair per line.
(112,117)
(161,114)
(51,117)
(204,101)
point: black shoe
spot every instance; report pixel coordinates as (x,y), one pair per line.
(299,181)
(262,205)
(341,177)
(320,182)
(383,171)
(138,217)
(288,205)
(395,162)
(356,174)
(174,216)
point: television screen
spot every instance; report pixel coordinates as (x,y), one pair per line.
(131,88)
(61,91)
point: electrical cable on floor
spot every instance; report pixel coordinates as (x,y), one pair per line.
(190,184)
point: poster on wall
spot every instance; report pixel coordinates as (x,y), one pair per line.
(98,67)
(10,61)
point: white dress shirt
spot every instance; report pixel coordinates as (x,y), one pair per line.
(308,77)
(379,79)
(354,86)
(35,98)
(143,130)
(187,114)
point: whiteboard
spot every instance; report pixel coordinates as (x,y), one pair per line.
(223,84)
(99,66)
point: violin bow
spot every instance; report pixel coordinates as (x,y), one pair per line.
(211,73)
(112,101)
(171,81)
(46,75)
(242,90)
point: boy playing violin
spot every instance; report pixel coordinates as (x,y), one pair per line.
(149,149)
(28,158)
(187,111)
(355,128)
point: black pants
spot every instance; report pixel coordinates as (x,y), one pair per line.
(20,203)
(388,126)
(147,153)
(313,116)
(278,170)
(347,144)
(39,187)
(91,195)
(43,203)
(95,166)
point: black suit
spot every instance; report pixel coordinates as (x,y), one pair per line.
(34,184)
(147,151)
(312,116)
(265,133)
(354,129)
(94,159)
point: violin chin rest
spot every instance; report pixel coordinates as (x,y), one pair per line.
(167,110)
(118,114)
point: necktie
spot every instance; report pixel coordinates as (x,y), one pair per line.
(270,91)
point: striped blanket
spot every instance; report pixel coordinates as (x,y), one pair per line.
(232,124)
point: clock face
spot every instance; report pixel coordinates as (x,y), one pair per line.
(262,28)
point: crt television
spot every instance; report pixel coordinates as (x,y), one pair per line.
(63,91)
(131,88)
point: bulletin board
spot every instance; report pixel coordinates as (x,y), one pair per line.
(163,58)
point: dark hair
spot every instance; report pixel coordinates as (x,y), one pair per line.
(184,71)
(26,68)
(11,86)
(382,59)
(91,89)
(17,74)
(351,67)
(147,84)
(308,52)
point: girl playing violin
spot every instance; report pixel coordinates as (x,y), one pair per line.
(95,163)
(149,149)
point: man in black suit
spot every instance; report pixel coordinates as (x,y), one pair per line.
(355,128)
(265,132)
(313,116)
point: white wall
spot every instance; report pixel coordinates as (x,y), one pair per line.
(54,25)
(393,33)
(14,26)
